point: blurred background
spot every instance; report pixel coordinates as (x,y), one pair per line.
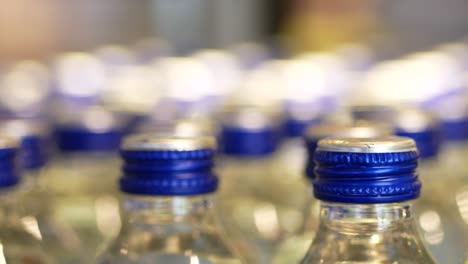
(41,29)
(189,56)
(139,56)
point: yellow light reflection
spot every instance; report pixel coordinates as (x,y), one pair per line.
(108,215)
(2,256)
(266,221)
(123,251)
(98,119)
(375,239)
(462,204)
(31,225)
(430,223)
(194,260)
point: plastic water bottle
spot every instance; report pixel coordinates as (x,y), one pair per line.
(292,152)
(258,206)
(293,249)
(441,231)
(454,126)
(36,214)
(366,188)
(18,244)
(168,191)
(83,178)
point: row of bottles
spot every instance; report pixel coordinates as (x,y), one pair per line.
(170,212)
(255,206)
(238,158)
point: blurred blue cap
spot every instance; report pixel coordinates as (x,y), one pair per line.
(9,173)
(94,129)
(422,127)
(34,137)
(250,132)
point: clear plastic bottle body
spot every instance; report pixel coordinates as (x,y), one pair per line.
(259,207)
(453,159)
(18,244)
(84,189)
(367,234)
(293,249)
(440,227)
(169,230)
(292,159)
(455,168)
(58,238)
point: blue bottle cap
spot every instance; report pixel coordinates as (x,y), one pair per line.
(455,129)
(452,110)
(33,135)
(9,174)
(249,132)
(422,127)
(361,129)
(295,127)
(373,170)
(71,139)
(299,116)
(95,129)
(163,165)
(34,154)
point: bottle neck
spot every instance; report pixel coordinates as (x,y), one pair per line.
(365,218)
(167,209)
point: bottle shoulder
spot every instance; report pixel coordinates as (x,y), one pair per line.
(82,175)
(395,246)
(169,242)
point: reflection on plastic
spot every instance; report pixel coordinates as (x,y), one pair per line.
(31,225)
(108,215)
(266,220)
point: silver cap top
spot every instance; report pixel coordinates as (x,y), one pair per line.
(361,129)
(167,142)
(387,144)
